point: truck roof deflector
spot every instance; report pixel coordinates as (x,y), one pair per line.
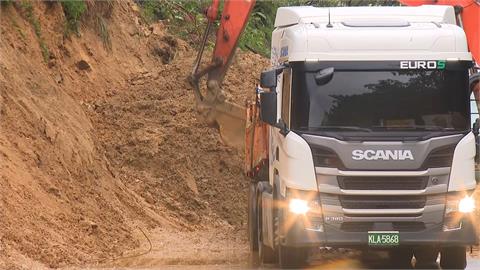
(376,23)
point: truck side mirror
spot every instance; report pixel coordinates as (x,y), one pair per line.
(324,76)
(268,107)
(268,78)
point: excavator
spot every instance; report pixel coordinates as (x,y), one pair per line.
(229,116)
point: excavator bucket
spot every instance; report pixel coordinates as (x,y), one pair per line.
(228,116)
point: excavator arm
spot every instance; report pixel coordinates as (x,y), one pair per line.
(228,116)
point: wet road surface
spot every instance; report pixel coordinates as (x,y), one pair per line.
(346,261)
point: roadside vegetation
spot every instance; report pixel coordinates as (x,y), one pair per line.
(27,9)
(98,11)
(73,9)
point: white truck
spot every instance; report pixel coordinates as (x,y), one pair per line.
(368,142)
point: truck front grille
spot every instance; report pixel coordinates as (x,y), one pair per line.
(356,226)
(396,226)
(440,157)
(324,157)
(382,202)
(382,183)
(408,226)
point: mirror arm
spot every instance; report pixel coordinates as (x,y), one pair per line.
(476,127)
(283,127)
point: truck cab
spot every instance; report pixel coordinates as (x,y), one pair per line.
(369,141)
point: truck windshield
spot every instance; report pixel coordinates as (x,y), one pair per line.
(389,100)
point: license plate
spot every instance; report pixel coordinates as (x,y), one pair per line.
(388,238)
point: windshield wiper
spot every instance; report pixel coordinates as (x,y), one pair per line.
(331,128)
(415,127)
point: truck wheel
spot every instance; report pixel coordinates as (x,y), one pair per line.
(453,258)
(292,257)
(266,254)
(426,257)
(252,218)
(401,258)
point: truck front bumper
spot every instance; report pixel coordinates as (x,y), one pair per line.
(331,236)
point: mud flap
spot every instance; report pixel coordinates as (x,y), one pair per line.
(267,219)
(265,191)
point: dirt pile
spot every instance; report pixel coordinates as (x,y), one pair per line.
(101,137)
(60,203)
(178,164)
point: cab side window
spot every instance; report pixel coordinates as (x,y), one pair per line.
(286,95)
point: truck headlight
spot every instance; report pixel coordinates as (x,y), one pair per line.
(456,207)
(298,206)
(304,207)
(304,204)
(466,205)
(457,203)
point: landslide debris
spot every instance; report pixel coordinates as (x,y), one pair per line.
(164,150)
(98,141)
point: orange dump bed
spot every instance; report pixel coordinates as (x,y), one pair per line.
(470,19)
(256,141)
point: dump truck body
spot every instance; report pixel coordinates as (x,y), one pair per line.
(371,144)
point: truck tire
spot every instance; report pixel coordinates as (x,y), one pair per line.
(252,207)
(252,218)
(288,257)
(292,257)
(401,258)
(266,255)
(426,257)
(453,258)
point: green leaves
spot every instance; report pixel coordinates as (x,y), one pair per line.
(27,9)
(73,10)
(183,18)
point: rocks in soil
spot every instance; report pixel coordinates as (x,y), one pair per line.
(158,29)
(164,48)
(83,65)
(58,78)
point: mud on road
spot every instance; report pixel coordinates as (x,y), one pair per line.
(322,259)
(173,247)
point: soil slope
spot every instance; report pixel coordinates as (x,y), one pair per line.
(97,142)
